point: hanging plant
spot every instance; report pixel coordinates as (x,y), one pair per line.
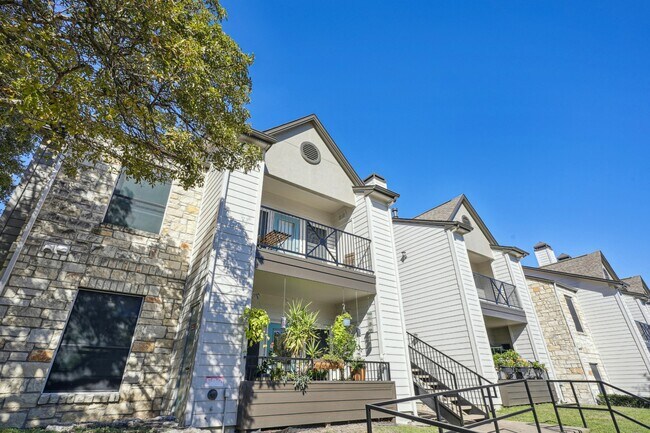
(257,321)
(343,342)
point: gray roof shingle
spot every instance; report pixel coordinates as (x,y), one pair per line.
(590,265)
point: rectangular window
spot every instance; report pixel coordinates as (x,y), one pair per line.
(595,371)
(645,331)
(95,344)
(574,313)
(138,206)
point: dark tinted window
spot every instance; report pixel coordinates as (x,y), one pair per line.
(574,313)
(138,206)
(95,343)
(595,371)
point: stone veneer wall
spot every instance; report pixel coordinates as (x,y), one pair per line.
(560,335)
(40,293)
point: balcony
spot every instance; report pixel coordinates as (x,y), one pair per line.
(496,292)
(308,239)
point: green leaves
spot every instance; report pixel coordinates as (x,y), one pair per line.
(343,342)
(257,321)
(153,85)
(301,327)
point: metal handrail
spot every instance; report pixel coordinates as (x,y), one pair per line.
(462,375)
(496,291)
(577,406)
(314,240)
(379,407)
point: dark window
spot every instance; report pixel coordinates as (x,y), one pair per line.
(138,206)
(574,313)
(645,330)
(595,371)
(95,343)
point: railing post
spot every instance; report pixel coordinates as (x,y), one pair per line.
(575,396)
(557,412)
(492,410)
(368,419)
(609,406)
(437,406)
(532,406)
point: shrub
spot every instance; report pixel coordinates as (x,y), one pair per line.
(624,400)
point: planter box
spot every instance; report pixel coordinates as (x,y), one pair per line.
(274,405)
(515,395)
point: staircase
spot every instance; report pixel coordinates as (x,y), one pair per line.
(433,371)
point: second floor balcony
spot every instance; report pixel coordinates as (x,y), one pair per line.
(496,292)
(291,234)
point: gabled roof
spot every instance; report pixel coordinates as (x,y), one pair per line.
(636,285)
(590,265)
(443,212)
(532,272)
(327,138)
(448,210)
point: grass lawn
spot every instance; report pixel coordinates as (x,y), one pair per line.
(597,422)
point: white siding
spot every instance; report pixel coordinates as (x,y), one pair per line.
(533,328)
(636,308)
(476,324)
(228,291)
(626,365)
(200,258)
(392,329)
(369,344)
(434,307)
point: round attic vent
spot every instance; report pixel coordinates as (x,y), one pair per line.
(310,152)
(466,221)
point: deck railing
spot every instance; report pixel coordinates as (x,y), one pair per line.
(282,231)
(497,292)
(278,368)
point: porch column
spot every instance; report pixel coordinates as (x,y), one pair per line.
(227,292)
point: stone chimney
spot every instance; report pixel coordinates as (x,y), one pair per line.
(544,254)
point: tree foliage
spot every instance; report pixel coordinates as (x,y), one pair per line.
(155,85)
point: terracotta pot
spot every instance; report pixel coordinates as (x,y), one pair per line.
(359,374)
(322,364)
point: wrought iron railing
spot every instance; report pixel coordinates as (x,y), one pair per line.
(278,368)
(449,373)
(289,233)
(497,292)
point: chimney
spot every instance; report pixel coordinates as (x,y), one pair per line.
(395,212)
(375,179)
(544,254)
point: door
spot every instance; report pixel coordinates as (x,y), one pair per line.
(291,226)
(274,345)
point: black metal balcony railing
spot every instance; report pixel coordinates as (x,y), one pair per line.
(278,368)
(285,232)
(497,292)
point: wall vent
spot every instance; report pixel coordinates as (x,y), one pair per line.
(310,152)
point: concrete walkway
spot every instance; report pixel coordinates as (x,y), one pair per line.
(523,427)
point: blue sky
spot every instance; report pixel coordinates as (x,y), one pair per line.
(538,111)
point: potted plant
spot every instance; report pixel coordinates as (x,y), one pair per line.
(301,328)
(257,320)
(329,362)
(539,369)
(358,369)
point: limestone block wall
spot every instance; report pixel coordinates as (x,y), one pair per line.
(570,351)
(36,303)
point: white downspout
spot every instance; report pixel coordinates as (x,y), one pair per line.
(30,224)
